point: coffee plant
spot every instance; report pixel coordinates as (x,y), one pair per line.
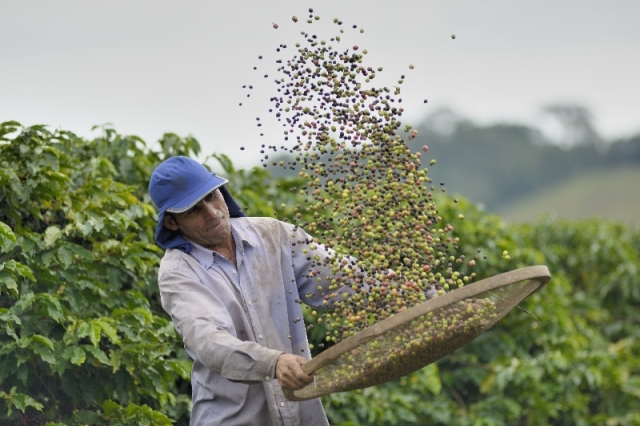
(80,342)
(567,355)
(84,341)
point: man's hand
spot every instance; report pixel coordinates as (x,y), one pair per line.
(289,372)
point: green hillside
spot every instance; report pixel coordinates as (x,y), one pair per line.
(612,194)
(514,170)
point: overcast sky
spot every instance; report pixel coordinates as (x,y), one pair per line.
(150,67)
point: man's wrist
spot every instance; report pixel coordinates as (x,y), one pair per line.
(270,365)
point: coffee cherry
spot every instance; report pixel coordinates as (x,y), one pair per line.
(366,195)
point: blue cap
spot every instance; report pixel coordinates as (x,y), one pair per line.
(178,184)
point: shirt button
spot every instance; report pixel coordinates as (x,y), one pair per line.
(282,404)
(259,336)
(267,378)
(249,302)
(234,271)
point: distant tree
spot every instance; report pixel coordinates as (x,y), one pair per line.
(576,123)
(498,164)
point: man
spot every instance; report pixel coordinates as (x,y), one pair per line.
(233,287)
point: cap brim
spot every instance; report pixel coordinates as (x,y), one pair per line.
(194,198)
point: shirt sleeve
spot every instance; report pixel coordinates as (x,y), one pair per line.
(208,331)
(324,278)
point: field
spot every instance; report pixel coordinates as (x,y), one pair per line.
(603,194)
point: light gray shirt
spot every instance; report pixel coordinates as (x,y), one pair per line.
(235,323)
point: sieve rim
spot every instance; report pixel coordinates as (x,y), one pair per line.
(538,273)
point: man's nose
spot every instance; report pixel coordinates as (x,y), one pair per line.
(210,209)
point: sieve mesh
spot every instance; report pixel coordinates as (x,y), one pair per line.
(418,336)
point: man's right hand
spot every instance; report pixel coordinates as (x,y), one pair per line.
(289,372)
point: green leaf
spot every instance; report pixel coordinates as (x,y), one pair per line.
(43,340)
(57,176)
(8,282)
(7,237)
(8,365)
(23,371)
(487,383)
(51,235)
(17,268)
(80,251)
(24,271)
(10,320)
(54,309)
(96,221)
(23,342)
(110,408)
(78,356)
(130,263)
(47,257)
(65,256)
(22,401)
(19,400)
(81,328)
(632,386)
(8,127)
(109,330)
(430,376)
(98,354)
(182,367)
(94,333)
(43,346)
(116,360)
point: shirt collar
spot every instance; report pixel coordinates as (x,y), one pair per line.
(205,256)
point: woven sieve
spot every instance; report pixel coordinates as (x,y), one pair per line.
(412,339)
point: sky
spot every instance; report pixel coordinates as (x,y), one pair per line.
(150,67)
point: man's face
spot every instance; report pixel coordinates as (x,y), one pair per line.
(206,223)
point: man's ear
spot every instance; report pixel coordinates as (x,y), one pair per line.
(170,222)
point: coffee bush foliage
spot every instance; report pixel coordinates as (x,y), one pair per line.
(80,341)
(568,356)
(84,341)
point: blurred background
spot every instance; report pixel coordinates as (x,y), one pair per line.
(533,108)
